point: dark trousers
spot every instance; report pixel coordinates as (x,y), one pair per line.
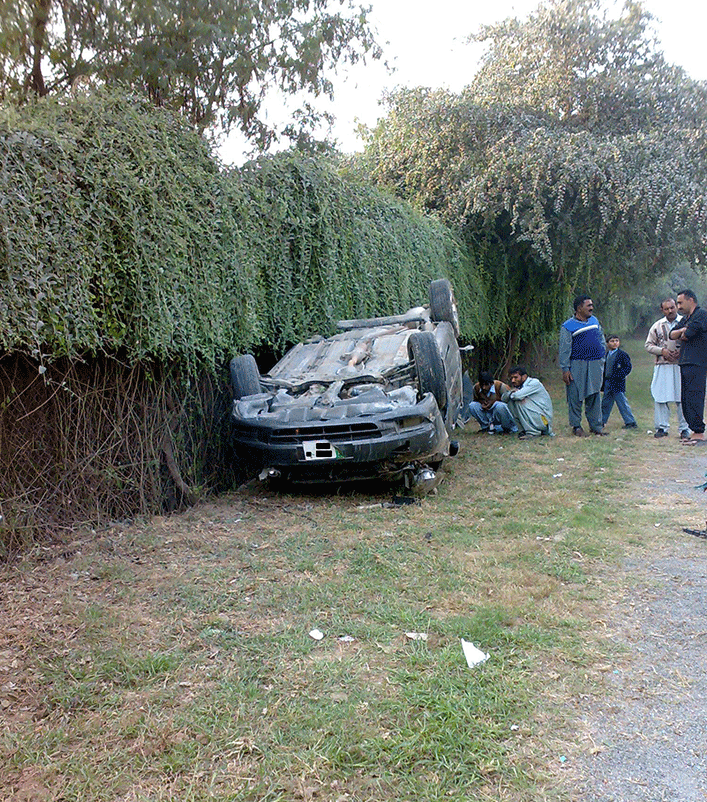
(692,388)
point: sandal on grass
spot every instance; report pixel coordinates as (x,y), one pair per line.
(694,442)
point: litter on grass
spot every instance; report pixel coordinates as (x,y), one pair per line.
(473,655)
(346,639)
(703,486)
(416,635)
(317,634)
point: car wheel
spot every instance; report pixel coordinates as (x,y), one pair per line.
(443,304)
(429,367)
(245,376)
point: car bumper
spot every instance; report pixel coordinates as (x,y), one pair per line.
(345,449)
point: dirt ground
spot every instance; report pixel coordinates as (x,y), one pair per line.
(644,736)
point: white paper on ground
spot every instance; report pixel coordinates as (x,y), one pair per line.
(317,634)
(416,635)
(473,655)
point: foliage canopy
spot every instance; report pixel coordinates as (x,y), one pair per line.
(120,234)
(575,159)
(211,60)
(585,70)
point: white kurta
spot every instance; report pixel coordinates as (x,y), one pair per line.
(665,387)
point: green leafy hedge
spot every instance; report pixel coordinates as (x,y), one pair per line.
(119,233)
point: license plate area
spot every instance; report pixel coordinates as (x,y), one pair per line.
(318,449)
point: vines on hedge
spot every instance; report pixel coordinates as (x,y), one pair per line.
(119,232)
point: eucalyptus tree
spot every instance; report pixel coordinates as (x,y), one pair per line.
(212,60)
(575,158)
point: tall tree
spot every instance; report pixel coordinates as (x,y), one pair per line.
(212,60)
(576,158)
(589,71)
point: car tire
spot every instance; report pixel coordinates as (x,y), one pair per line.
(429,367)
(443,304)
(245,376)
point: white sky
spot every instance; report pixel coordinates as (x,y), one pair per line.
(425,46)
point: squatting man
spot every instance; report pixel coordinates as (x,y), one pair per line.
(529,403)
(488,408)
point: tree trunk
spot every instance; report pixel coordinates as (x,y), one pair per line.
(39,35)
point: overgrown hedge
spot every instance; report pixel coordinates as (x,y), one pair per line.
(119,232)
(125,248)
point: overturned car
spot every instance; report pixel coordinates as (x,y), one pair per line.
(377,400)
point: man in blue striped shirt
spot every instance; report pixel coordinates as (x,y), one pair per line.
(582,351)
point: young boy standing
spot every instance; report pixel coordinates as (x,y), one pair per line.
(616,369)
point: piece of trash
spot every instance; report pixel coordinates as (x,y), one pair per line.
(556,475)
(473,655)
(650,431)
(416,635)
(514,727)
(346,639)
(401,501)
(317,634)
(703,486)
(560,459)
(657,525)
(562,758)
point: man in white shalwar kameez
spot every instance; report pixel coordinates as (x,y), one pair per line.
(665,387)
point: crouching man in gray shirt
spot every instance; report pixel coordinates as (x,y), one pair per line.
(529,403)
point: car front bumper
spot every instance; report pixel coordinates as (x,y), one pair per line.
(342,449)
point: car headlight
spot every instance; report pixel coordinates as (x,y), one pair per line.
(411,421)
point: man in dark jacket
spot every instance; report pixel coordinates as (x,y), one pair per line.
(693,363)
(616,369)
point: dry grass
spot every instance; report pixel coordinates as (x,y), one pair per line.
(170,659)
